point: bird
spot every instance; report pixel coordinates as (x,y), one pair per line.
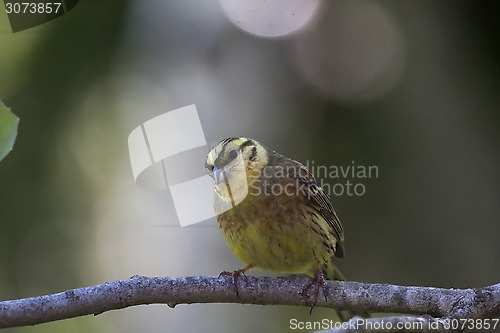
(273,214)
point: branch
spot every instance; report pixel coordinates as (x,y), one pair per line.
(340,295)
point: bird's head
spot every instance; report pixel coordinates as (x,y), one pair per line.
(236,160)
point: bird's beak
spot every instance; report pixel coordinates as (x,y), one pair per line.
(218,175)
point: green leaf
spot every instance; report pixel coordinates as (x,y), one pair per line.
(8,130)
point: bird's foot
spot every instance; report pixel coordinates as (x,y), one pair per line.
(316,282)
(236,275)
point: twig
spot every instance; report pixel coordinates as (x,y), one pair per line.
(436,302)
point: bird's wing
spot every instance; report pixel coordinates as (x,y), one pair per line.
(320,201)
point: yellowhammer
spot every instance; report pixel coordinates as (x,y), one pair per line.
(272,213)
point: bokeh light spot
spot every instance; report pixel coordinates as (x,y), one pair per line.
(276,18)
(354,51)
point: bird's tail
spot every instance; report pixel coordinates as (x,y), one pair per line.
(334,273)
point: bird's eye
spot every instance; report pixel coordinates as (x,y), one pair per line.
(233,154)
(209,167)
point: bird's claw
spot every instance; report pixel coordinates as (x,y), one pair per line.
(236,275)
(317,281)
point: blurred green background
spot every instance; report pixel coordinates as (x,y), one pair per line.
(409,87)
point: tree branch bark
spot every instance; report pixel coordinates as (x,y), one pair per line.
(340,295)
